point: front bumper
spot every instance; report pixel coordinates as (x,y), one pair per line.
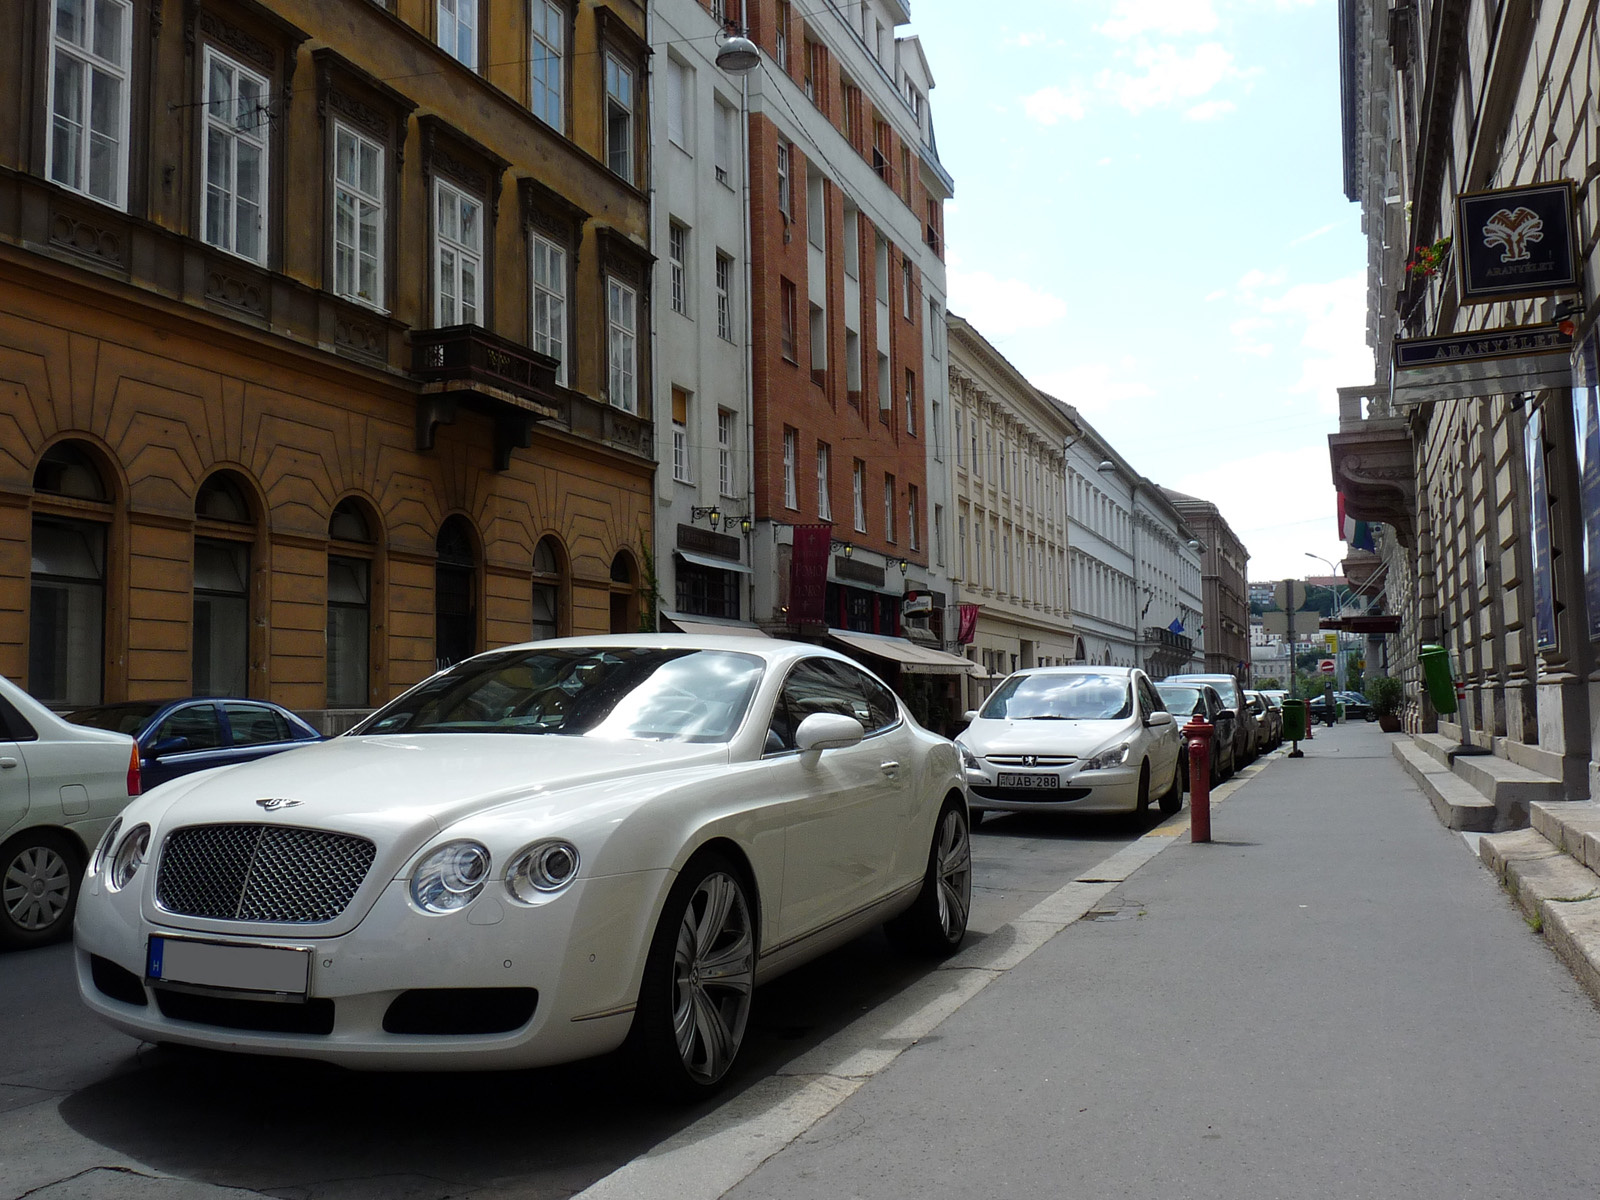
(1112,790)
(582,952)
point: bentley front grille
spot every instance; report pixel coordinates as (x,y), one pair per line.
(261,873)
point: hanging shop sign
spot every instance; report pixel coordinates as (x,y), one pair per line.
(1491,362)
(1516,242)
(808,574)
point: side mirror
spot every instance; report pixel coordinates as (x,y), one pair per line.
(970,715)
(828,731)
(1227,714)
(1158,718)
(171,745)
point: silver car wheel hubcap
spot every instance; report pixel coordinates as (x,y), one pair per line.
(37,885)
(714,969)
(955,874)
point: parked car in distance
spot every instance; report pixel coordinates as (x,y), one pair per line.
(1246,735)
(538,855)
(1185,700)
(1269,719)
(60,787)
(1356,706)
(1073,739)
(177,737)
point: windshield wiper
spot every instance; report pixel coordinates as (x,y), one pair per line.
(1053,717)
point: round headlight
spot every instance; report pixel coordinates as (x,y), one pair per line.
(542,869)
(451,877)
(103,850)
(129,857)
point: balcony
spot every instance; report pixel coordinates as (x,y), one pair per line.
(1372,461)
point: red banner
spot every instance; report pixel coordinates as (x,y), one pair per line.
(969,625)
(808,574)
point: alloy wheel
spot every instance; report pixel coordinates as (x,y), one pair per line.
(955,874)
(37,888)
(713,977)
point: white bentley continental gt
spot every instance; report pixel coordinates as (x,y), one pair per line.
(535,856)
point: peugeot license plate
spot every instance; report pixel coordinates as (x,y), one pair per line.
(275,970)
(1013,779)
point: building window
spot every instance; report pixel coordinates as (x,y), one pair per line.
(810,66)
(549,39)
(913,516)
(911,402)
(935,330)
(788,304)
(961,441)
(619,118)
(791,451)
(622,311)
(234,158)
(680,97)
(936,430)
(357,217)
(89,63)
(938,534)
(858,490)
(677,254)
(725,452)
(850,111)
(781,41)
(817,74)
(724,281)
(785,201)
(221,631)
(888,507)
(66,617)
(723,150)
(907,291)
(905,175)
(550,303)
(706,591)
(546,590)
(824,485)
(975,470)
(458,256)
(349,610)
(455,583)
(680,436)
(458,30)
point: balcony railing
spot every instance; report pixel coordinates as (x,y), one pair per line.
(473,354)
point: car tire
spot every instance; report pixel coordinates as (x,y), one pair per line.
(1141,806)
(699,979)
(40,874)
(975,817)
(936,922)
(1172,799)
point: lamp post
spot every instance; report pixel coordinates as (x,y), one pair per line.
(1338,657)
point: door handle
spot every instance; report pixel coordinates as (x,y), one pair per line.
(889,768)
(8,761)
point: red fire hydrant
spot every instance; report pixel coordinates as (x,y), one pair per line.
(1198,733)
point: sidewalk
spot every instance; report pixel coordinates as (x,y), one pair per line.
(1333,999)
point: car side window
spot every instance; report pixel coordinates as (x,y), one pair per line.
(197,722)
(256,725)
(815,685)
(881,710)
(13,725)
(1150,698)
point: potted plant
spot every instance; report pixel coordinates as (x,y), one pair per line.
(1386,695)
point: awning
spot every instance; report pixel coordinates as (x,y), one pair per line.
(1374,623)
(913,659)
(712,627)
(716,564)
(1490,362)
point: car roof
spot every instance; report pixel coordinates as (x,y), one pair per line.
(773,650)
(1078,669)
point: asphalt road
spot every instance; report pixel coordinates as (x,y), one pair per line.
(81,1105)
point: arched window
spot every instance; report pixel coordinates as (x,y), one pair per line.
(67,594)
(224,530)
(455,593)
(624,594)
(349,606)
(547,586)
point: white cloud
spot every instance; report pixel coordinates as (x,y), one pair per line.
(1210,110)
(1323,324)
(1026,41)
(1277,524)
(1316,233)
(1002,307)
(1095,387)
(1050,104)
(1166,18)
(1167,76)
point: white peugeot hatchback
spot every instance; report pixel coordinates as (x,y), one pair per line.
(1072,739)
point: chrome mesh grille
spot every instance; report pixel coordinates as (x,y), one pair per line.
(261,873)
(1039,760)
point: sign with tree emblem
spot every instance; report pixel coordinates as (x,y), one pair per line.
(1516,242)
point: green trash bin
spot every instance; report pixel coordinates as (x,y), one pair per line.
(1294,719)
(1435,663)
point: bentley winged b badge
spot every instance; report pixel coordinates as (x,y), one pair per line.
(275,804)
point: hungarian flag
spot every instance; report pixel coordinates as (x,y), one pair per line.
(1357,534)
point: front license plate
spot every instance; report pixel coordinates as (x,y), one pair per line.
(280,970)
(1012,779)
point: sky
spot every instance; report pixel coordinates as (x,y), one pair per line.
(1150,224)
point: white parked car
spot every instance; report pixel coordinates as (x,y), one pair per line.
(60,786)
(1072,739)
(532,857)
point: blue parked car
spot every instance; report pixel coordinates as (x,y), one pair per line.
(179,736)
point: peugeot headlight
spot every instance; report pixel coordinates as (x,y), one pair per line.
(125,863)
(103,850)
(1114,757)
(969,760)
(541,869)
(451,877)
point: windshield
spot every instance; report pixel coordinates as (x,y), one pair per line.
(583,691)
(1061,698)
(118,718)
(1182,699)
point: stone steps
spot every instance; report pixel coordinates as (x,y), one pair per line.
(1457,803)
(1508,788)
(1548,871)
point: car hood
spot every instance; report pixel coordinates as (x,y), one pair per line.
(1078,738)
(402,789)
